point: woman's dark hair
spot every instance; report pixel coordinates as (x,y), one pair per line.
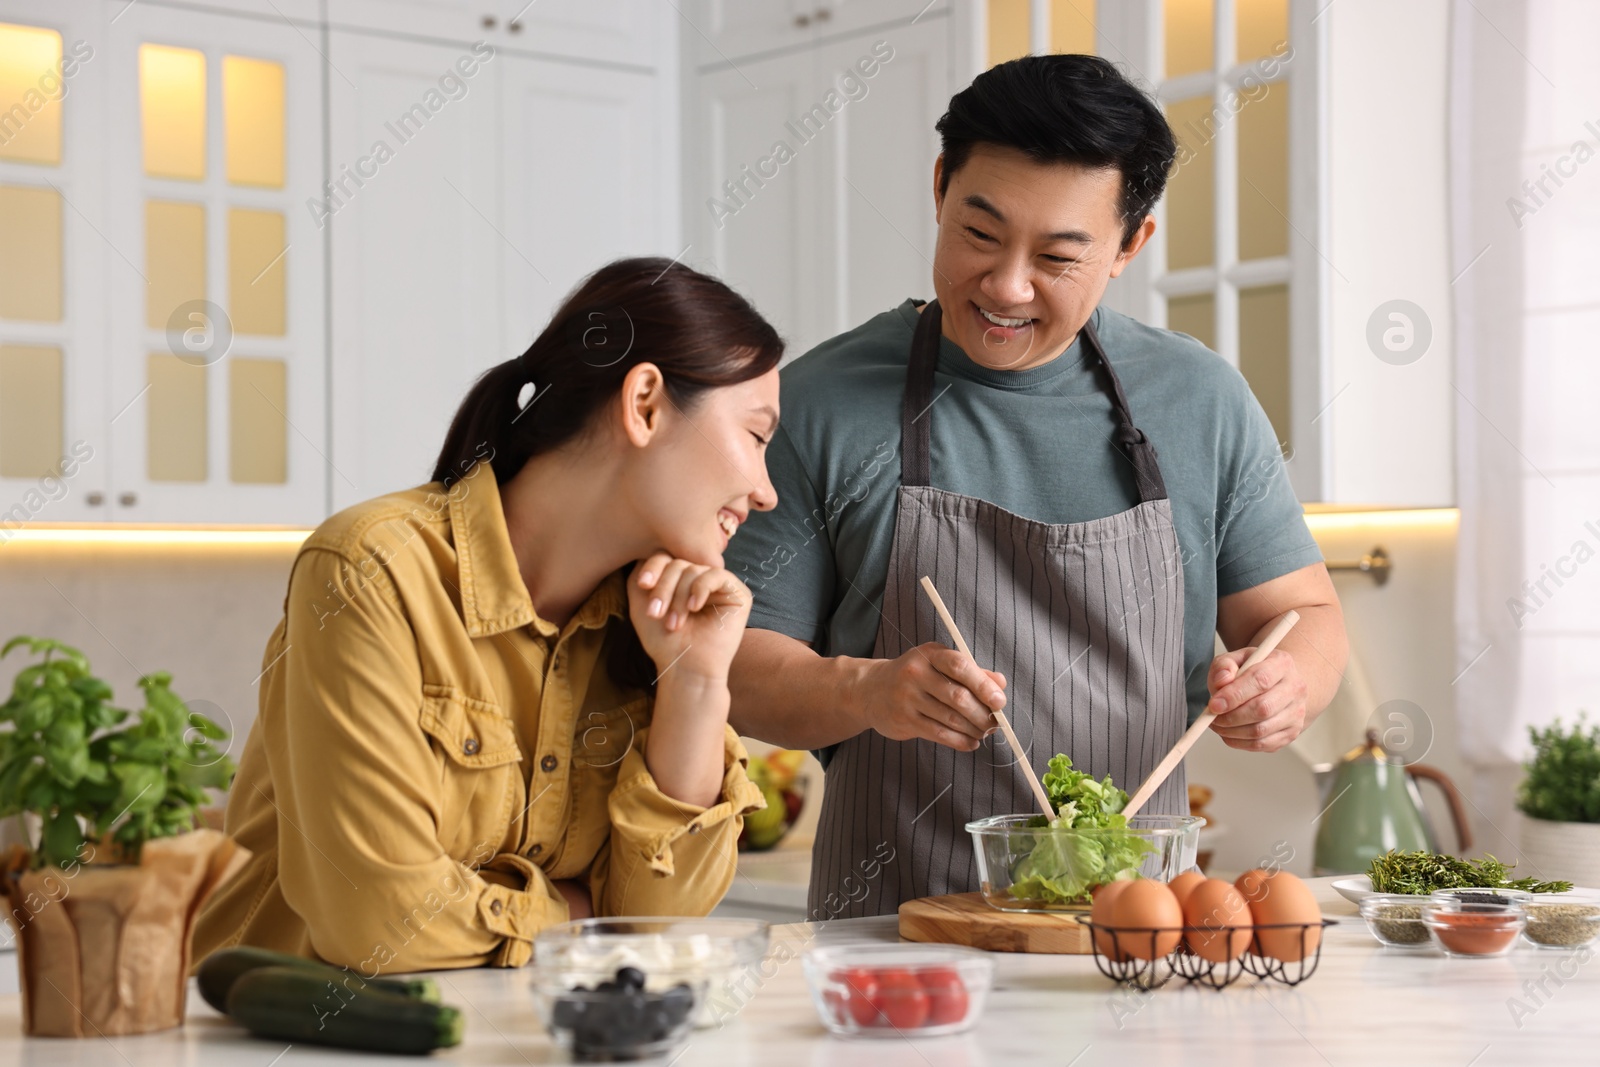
(697,331)
(1065,109)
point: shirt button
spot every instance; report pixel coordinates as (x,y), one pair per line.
(470,746)
(495,907)
(694,828)
(548,764)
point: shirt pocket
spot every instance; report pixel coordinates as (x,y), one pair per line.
(480,783)
(601,740)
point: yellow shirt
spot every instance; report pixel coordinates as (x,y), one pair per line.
(430,754)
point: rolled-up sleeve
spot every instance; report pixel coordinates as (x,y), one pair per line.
(355,781)
(666,857)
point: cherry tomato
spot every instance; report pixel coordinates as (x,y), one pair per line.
(901,999)
(947,995)
(858,999)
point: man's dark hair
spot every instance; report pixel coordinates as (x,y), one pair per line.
(1065,109)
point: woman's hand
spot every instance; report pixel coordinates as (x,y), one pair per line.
(689,617)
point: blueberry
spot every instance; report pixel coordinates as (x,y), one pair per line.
(630,978)
(567,1013)
(678,1002)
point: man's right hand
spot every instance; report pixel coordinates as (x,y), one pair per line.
(933,692)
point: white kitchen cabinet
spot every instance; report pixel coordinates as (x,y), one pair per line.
(820,208)
(617,32)
(190,332)
(582,153)
(759,233)
(219,408)
(307,13)
(450,258)
(54,421)
(414,253)
(728,30)
(880,250)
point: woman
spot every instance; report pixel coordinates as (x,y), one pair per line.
(500,700)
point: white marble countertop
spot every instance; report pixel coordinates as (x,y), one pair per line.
(1365,1005)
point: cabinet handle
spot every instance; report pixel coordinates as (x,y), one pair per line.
(489,22)
(802,21)
(94,499)
(823,14)
(127,500)
(514,26)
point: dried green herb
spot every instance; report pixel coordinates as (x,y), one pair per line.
(1563,924)
(1563,779)
(1400,924)
(1421,873)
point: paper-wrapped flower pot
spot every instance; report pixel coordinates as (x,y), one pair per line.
(103,949)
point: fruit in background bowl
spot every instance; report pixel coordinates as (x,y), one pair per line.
(777,775)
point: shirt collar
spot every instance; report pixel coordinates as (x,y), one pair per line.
(493,596)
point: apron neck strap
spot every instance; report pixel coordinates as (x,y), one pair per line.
(916,417)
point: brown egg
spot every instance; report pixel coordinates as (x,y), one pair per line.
(1100,915)
(1184,884)
(1144,906)
(1213,905)
(1279,897)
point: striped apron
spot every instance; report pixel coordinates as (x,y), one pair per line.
(1084,619)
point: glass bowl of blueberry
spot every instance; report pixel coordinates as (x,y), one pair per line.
(632,988)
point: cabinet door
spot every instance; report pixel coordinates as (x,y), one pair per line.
(723,31)
(754,190)
(887,18)
(54,420)
(613,31)
(216,291)
(878,247)
(414,230)
(582,157)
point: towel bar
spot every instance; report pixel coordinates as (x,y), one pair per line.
(1376,563)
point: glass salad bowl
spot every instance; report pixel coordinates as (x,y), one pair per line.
(1028,867)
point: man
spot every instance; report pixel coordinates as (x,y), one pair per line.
(1094,499)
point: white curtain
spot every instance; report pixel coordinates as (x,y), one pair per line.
(1525,212)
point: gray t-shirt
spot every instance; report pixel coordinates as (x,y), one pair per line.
(1035,442)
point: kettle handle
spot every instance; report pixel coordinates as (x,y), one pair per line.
(1452,795)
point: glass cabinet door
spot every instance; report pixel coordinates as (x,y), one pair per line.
(53,429)
(218,360)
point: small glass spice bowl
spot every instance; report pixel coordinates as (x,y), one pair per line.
(1395,919)
(1471,929)
(1561,924)
(1483,896)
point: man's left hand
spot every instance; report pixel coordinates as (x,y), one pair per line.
(1259,711)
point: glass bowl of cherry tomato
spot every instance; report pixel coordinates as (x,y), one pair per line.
(894,990)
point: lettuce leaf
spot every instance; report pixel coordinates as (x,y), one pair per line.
(1063,868)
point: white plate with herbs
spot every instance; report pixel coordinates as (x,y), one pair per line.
(1357,888)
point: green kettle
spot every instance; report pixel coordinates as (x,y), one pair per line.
(1371,804)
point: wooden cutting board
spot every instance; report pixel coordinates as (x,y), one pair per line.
(966,919)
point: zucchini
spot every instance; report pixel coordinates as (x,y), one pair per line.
(224,967)
(293,1004)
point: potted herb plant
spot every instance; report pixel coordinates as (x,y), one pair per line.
(102,894)
(1560,803)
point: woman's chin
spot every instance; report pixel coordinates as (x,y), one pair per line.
(704,553)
